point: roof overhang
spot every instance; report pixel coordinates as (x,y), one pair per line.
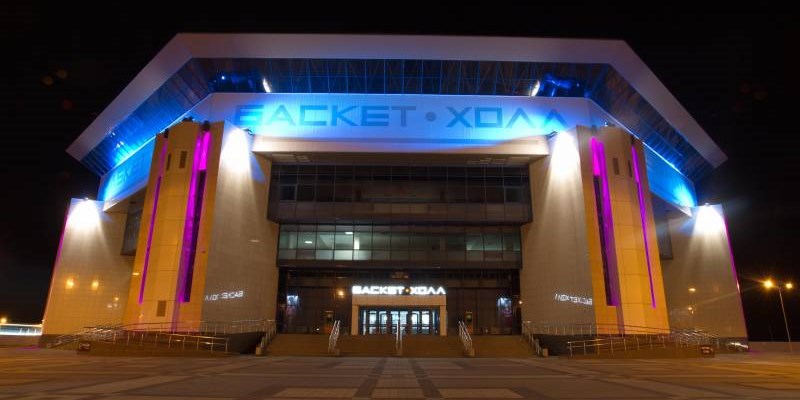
(184,47)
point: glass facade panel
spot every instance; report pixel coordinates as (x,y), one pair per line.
(422,245)
(415,194)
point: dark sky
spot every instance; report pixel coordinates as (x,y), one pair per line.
(731,71)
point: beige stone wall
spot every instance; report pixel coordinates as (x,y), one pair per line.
(242,243)
(606,316)
(554,246)
(638,306)
(702,260)
(90,277)
(167,239)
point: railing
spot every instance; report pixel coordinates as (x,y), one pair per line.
(20,329)
(610,338)
(620,344)
(202,335)
(608,330)
(532,341)
(173,340)
(466,339)
(398,340)
(334,336)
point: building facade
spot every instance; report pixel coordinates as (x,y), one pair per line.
(389,181)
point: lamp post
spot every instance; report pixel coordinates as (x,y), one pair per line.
(769,284)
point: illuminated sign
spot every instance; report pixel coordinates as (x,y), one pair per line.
(399,290)
(127,177)
(450,120)
(587,301)
(236,294)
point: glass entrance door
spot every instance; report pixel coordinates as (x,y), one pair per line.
(386,321)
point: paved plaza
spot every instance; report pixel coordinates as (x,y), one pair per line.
(29,373)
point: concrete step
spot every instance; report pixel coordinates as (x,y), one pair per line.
(288,344)
(118,349)
(657,352)
(367,345)
(432,346)
(508,346)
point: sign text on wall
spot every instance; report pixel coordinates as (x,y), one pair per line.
(399,290)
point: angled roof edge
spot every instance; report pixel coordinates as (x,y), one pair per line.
(184,47)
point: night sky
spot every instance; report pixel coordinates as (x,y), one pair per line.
(62,66)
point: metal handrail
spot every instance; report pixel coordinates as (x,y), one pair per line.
(613,330)
(143,332)
(637,342)
(334,336)
(532,341)
(466,339)
(398,340)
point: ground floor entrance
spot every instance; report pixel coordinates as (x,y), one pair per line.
(375,301)
(382,320)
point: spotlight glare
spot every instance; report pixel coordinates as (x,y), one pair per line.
(84,216)
(535,88)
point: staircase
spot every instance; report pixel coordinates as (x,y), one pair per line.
(188,339)
(432,346)
(501,346)
(368,345)
(309,345)
(605,341)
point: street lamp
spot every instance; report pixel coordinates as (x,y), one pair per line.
(769,284)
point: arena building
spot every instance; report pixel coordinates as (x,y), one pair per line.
(387,181)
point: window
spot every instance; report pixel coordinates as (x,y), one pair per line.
(615,161)
(287,193)
(305,193)
(182,163)
(161,308)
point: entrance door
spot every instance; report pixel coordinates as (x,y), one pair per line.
(385,321)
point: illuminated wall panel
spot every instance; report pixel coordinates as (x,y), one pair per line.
(242,278)
(640,290)
(90,277)
(555,280)
(703,261)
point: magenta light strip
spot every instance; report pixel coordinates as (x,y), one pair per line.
(643,214)
(204,151)
(161,158)
(599,169)
(733,265)
(199,163)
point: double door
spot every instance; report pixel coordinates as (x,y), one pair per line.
(386,321)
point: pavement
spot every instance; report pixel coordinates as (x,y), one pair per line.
(46,374)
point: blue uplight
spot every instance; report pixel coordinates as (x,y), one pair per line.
(666,182)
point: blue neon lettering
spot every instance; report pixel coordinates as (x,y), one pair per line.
(311,109)
(281,115)
(249,114)
(459,117)
(520,113)
(337,115)
(404,113)
(369,116)
(498,117)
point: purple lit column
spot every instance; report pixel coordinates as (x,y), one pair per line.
(156,193)
(605,221)
(643,215)
(194,206)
